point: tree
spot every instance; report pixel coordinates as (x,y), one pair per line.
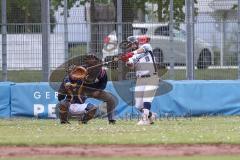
(163,12)
(25,11)
(131,6)
(129,10)
(70,3)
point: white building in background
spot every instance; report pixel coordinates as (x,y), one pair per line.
(222,4)
(77,24)
(24,51)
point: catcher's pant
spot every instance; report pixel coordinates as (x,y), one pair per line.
(63,110)
(76,108)
(102,95)
(145,90)
(84,112)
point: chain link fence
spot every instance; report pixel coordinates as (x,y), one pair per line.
(209,31)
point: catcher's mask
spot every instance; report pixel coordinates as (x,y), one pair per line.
(133,43)
(91,60)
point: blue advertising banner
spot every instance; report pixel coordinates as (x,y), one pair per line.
(193,98)
(199,97)
(5,95)
(33,100)
(39,100)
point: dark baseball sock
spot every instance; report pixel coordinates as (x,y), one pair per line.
(147,105)
(150,114)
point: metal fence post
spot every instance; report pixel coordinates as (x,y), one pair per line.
(223,36)
(119,20)
(238,38)
(88,25)
(119,33)
(4,40)
(45,38)
(172,59)
(193,38)
(189,42)
(66,30)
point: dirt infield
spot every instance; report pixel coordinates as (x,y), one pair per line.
(121,150)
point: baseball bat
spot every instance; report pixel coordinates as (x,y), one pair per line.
(104,63)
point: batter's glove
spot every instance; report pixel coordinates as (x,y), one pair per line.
(125,57)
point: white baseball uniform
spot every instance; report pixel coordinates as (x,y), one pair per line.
(147,79)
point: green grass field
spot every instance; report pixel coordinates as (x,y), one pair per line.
(30,132)
(198,130)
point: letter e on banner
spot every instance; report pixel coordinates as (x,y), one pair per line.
(51,111)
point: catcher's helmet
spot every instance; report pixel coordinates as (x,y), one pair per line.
(133,40)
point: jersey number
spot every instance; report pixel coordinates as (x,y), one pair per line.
(147,59)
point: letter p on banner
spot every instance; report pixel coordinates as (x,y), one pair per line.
(37,109)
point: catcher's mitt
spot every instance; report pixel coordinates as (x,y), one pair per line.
(78,73)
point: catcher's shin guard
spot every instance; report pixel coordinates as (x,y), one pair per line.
(63,111)
(90,114)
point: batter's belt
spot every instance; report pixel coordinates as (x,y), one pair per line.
(147,75)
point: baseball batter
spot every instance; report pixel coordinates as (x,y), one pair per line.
(140,57)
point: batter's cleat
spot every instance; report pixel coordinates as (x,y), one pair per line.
(151,121)
(145,119)
(112,122)
(143,122)
(152,118)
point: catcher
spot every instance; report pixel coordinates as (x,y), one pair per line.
(95,83)
(92,79)
(71,102)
